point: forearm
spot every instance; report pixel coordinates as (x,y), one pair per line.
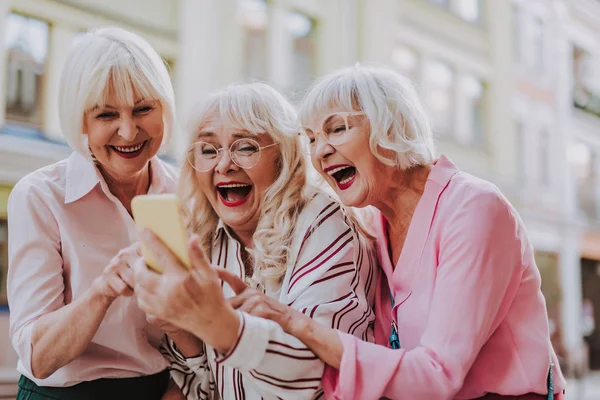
(61,336)
(322,340)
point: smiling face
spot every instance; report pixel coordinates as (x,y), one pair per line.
(235,193)
(123,137)
(345,160)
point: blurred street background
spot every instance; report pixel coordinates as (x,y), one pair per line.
(512,87)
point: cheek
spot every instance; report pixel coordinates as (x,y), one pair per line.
(205,185)
(263,175)
(98,133)
(154,125)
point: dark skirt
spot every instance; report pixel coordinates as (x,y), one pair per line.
(151,387)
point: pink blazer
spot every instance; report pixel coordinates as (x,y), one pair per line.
(470,312)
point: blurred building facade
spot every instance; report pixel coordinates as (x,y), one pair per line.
(513,90)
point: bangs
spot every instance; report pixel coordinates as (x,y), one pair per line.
(125,81)
(244,110)
(340,91)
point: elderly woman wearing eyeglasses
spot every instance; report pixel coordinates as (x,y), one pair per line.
(460,313)
(246,198)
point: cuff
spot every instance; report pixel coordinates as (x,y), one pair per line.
(339,383)
(22,344)
(193,363)
(251,345)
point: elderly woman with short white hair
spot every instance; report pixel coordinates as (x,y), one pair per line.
(77,329)
(459,309)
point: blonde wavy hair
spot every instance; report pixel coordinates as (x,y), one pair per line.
(261,110)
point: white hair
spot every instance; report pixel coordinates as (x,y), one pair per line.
(111,59)
(396,115)
(261,110)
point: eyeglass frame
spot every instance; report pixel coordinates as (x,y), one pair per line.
(218,157)
(343,114)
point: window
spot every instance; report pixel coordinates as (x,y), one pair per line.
(407,61)
(521,149)
(473,92)
(302,30)
(517,34)
(439,83)
(544,158)
(444,3)
(253,17)
(538,43)
(3,259)
(582,160)
(469,10)
(27,47)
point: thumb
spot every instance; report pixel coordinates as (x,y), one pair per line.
(232,280)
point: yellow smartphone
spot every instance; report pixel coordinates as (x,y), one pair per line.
(161,214)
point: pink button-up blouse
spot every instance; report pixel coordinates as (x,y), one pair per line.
(64,228)
(470,312)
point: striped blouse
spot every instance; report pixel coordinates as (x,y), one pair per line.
(331,277)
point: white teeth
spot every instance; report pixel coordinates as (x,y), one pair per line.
(333,171)
(343,182)
(233,185)
(129,149)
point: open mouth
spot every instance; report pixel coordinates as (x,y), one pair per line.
(129,151)
(234,194)
(344,175)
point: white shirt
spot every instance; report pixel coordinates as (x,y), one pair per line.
(331,277)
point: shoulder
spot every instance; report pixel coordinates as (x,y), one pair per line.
(467,195)
(46,185)
(477,211)
(323,214)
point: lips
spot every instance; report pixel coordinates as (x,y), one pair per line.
(342,174)
(129,152)
(233,194)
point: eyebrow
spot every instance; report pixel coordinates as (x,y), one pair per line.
(96,107)
(237,135)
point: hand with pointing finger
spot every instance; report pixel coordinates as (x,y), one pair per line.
(191,300)
(256,303)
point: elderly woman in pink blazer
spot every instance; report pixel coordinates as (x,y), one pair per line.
(460,313)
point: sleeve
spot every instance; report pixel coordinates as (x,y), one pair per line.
(192,375)
(479,271)
(326,284)
(35,282)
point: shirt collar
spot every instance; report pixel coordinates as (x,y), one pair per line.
(222,229)
(82,176)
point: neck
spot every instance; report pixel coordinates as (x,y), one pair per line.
(125,189)
(399,198)
(245,236)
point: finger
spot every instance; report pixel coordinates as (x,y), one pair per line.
(144,277)
(234,281)
(237,301)
(127,276)
(163,255)
(117,285)
(197,256)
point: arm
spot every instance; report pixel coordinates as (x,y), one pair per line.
(333,294)
(480,265)
(46,333)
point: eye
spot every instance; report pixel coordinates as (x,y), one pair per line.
(206,150)
(246,147)
(143,110)
(339,129)
(107,115)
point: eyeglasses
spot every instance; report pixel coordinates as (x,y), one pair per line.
(334,130)
(244,153)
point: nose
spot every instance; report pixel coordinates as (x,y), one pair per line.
(323,148)
(128,129)
(224,162)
